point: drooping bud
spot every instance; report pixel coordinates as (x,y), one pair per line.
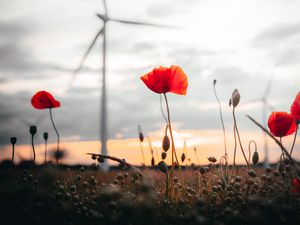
(163,167)
(235,98)
(255,158)
(141,135)
(182,157)
(33,130)
(45,135)
(13,140)
(215,81)
(152,161)
(163,155)
(166,143)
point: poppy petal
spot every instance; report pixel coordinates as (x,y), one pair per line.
(295,108)
(44,100)
(281,124)
(166,79)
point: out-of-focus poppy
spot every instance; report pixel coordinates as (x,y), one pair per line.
(281,124)
(44,100)
(296,185)
(166,79)
(295,108)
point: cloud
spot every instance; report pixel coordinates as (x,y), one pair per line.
(277,33)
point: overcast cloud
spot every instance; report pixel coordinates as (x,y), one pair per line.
(242,44)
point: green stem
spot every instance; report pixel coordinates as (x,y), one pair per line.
(45,152)
(294,141)
(239,138)
(13,154)
(58,137)
(33,149)
(221,117)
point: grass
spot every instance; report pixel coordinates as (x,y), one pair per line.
(78,195)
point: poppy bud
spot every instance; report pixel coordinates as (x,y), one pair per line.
(152,161)
(141,135)
(215,81)
(163,155)
(166,143)
(33,130)
(13,140)
(235,98)
(255,158)
(163,167)
(100,159)
(45,135)
(212,159)
(182,157)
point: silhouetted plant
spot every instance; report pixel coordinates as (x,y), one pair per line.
(45,136)
(13,141)
(44,100)
(33,130)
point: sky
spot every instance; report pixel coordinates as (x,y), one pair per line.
(241,43)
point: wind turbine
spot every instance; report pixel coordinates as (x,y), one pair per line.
(266,106)
(105,18)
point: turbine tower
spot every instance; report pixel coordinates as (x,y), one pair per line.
(265,107)
(103,100)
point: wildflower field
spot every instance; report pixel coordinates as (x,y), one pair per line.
(217,191)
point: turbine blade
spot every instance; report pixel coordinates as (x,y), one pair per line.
(88,51)
(105,7)
(268,88)
(271,108)
(143,23)
(39,119)
(73,76)
(253,100)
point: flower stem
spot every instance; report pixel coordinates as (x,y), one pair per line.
(45,152)
(171,133)
(13,154)
(239,138)
(57,150)
(221,117)
(33,149)
(294,141)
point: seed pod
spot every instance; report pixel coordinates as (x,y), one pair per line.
(182,157)
(13,140)
(255,158)
(163,155)
(152,161)
(212,159)
(100,159)
(32,130)
(214,81)
(141,135)
(163,167)
(166,143)
(45,135)
(235,98)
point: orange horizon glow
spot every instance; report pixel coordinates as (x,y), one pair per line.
(207,143)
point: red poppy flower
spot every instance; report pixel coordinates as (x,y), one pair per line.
(281,124)
(166,79)
(295,108)
(44,100)
(296,185)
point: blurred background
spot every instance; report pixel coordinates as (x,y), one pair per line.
(251,45)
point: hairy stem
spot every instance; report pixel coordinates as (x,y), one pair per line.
(221,118)
(239,138)
(13,154)
(58,137)
(33,149)
(294,141)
